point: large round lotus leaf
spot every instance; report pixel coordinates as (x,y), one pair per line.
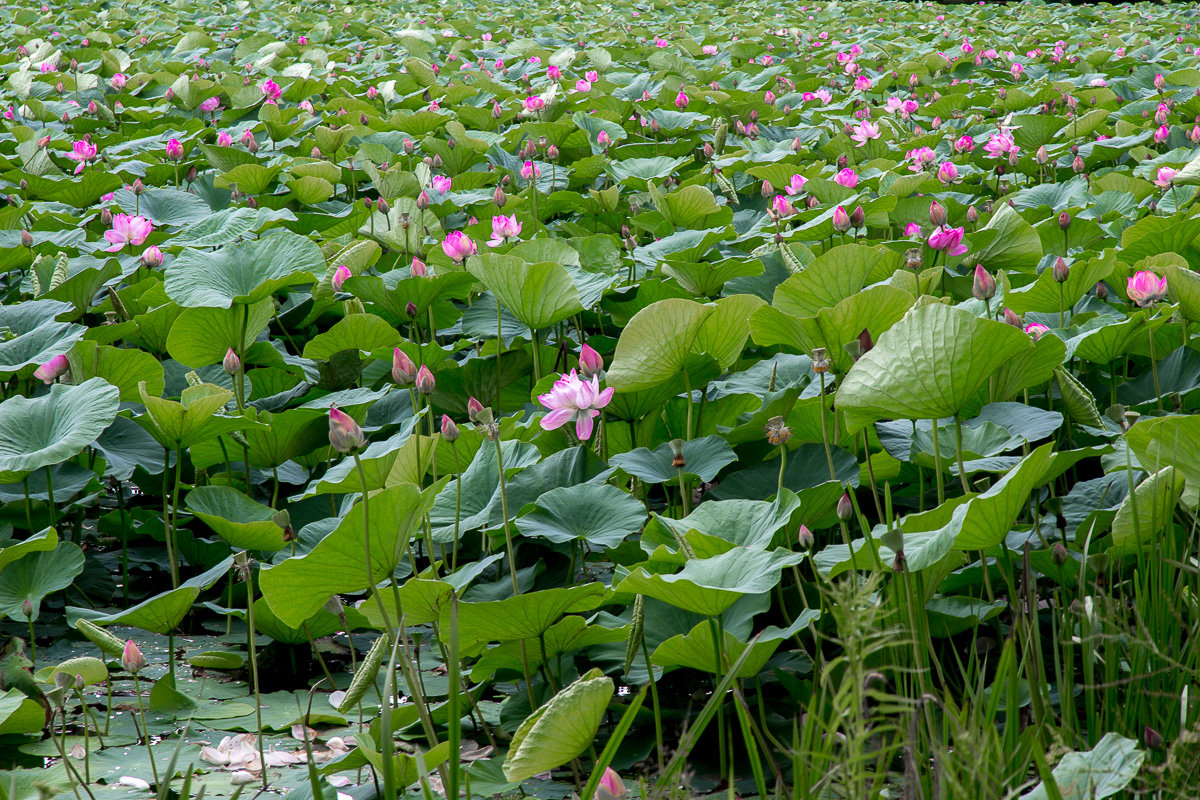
(600,514)
(243,273)
(655,344)
(236,518)
(539,295)
(35,335)
(561,729)
(37,575)
(927,366)
(47,430)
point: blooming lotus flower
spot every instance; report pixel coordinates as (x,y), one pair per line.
(82,151)
(530,171)
(270,90)
(458,246)
(440,183)
(681,102)
(964,144)
(922,157)
(709,49)
(894,105)
(553,72)
(1016,70)
(174,149)
(912,229)
(224,139)
(1035,329)
(796,185)
(211,105)
(865,131)
(503,229)
(127,230)
(583,86)
(1000,145)
(592,76)
(344,433)
(846,177)
(574,399)
(534,104)
(52,370)
(1164,176)
(947,173)
(948,240)
(340,275)
(781,207)
(1145,288)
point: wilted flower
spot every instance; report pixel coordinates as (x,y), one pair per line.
(344,433)
(574,399)
(52,370)
(127,230)
(1145,288)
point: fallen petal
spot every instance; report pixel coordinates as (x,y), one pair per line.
(132,782)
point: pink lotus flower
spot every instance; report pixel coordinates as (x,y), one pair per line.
(1016,70)
(949,240)
(534,103)
(52,370)
(458,246)
(781,207)
(418,268)
(127,230)
(118,81)
(211,105)
(82,151)
(440,183)
(796,185)
(999,145)
(344,433)
(224,139)
(152,257)
(132,659)
(611,786)
(922,157)
(846,177)
(583,86)
(553,72)
(964,144)
(503,229)
(1035,329)
(681,100)
(530,171)
(947,173)
(270,90)
(912,229)
(865,131)
(174,150)
(574,399)
(1161,133)
(1145,288)
(862,83)
(1164,177)
(340,275)
(592,76)
(710,49)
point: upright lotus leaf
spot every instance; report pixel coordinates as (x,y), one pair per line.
(163,612)
(1103,771)
(525,616)
(1172,441)
(703,458)
(1026,369)
(928,365)
(37,575)
(655,344)
(1154,234)
(365,333)
(561,729)
(833,276)
(243,273)
(202,336)
(599,514)
(123,367)
(1183,288)
(34,335)
(874,310)
(243,523)
(695,650)
(569,635)
(746,523)
(1144,514)
(1045,294)
(20,714)
(392,292)
(47,430)
(708,586)
(1104,339)
(723,332)
(1016,246)
(37,543)
(297,587)
(971,522)
(539,295)
(421,602)
(193,419)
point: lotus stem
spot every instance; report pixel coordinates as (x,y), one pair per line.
(137,692)
(366,513)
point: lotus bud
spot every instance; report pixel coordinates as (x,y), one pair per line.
(1101,291)
(192,175)
(804,538)
(138,187)
(611,787)
(474,409)
(972,215)
(340,275)
(232,364)
(132,660)
(418,268)
(499,198)
(937,214)
(106,216)
(423,200)
(404,371)
(251,202)
(858,217)
(591,363)
(384,206)
(708,151)
(27,238)
(1150,737)
(410,308)
(1064,220)
(1059,554)
(983,287)
(344,433)
(425,381)
(842,162)
(841,220)
(449,429)
(1014,319)
(1060,270)
(767,189)
(1077,166)
(1042,157)
(27,608)
(52,370)
(845,507)
(408,146)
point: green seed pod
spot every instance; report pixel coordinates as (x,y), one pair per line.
(1078,400)
(638,630)
(365,677)
(110,645)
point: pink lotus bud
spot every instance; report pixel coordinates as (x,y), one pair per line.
(344,433)
(52,370)
(474,409)
(1064,220)
(858,217)
(499,198)
(845,507)
(611,786)
(804,538)
(425,381)
(106,216)
(972,215)
(27,608)
(947,173)
(138,187)
(983,287)
(423,200)
(841,220)
(449,429)
(1012,318)
(681,100)
(418,268)
(591,363)
(404,371)
(340,275)
(27,237)
(937,214)
(232,364)
(174,150)
(410,308)
(152,257)
(1159,81)
(1060,270)
(132,660)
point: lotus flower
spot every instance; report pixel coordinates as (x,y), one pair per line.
(458,246)
(152,257)
(1036,329)
(404,371)
(846,177)
(52,370)
(1145,288)
(118,81)
(1164,176)
(1161,133)
(865,131)
(681,102)
(426,383)
(999,145)
(211,105)
(574,399)
(440,183)
(340,275)
(781,207)
(947,173)
(503,229)
(270,90)
(174,149)
(224,139)
(949,240)
(127,230)
(530,171)
(796,186)
(132,659)
(418,268)
(964,144)
(591,363)
(82,151)
(922,157)
(611,786)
